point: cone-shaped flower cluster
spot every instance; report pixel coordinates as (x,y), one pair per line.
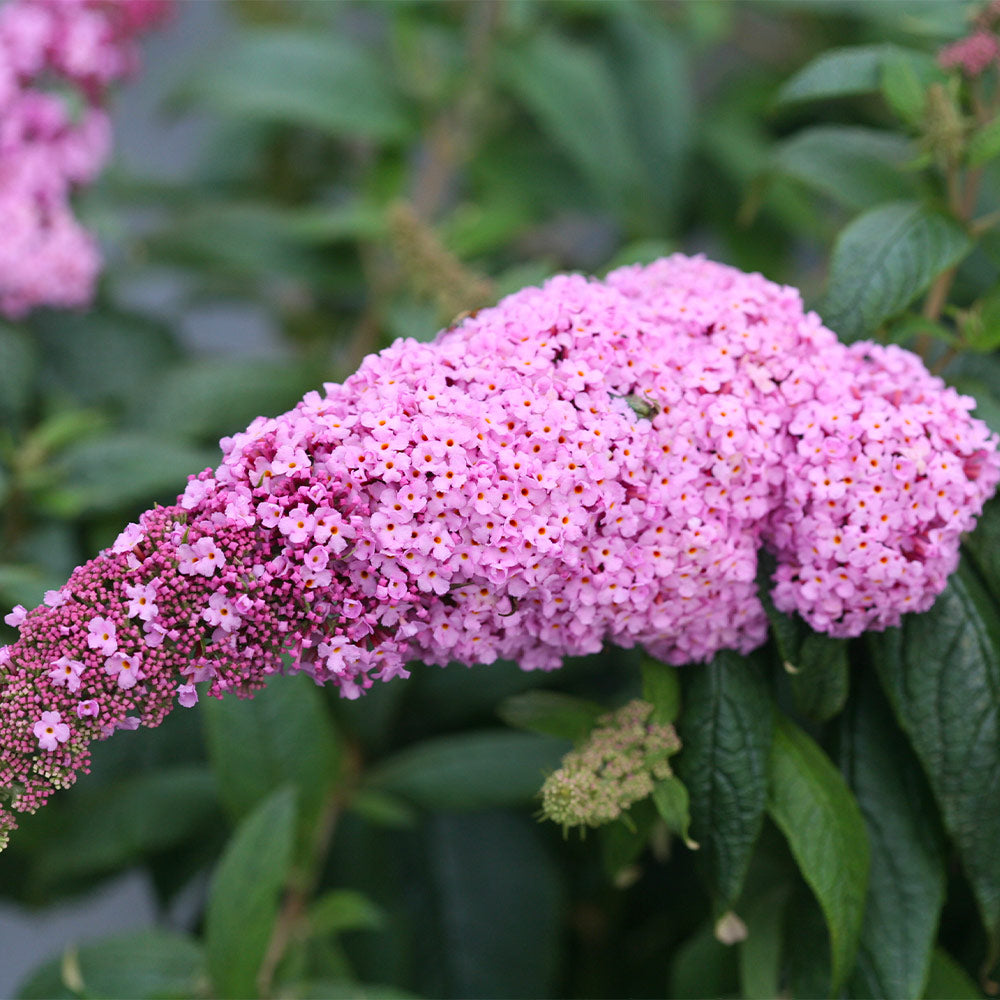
(57,58)
(616,767)
(584,463)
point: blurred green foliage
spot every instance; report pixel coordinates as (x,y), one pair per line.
(365,158)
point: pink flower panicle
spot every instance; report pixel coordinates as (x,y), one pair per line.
(48,147)
(972,55)
(584,463)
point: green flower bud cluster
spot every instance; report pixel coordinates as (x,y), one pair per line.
(622,759)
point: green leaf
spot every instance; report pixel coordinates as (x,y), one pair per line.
(552,713)
(849,71)
(674,806)
(284,735)
(382,809)
(661,687)
(941,671)
(624,841)
(947,980)
(821,683)
(983,546)
(837,73)
(473,770)
(883,260)
(481,868)
(344,910)
(111,827)
(987,403)
(760,952)
(789,632)
(822,823)
(101,355)
(984,144)
(205,400)
(654,66)
(902,87)
(725,729)
(702,968)
(150,963)
(855,166)
(907,850)
(245,893)
(322,80)
(577,102)
(122,470)
(983,333)
(18,368)
(328,989)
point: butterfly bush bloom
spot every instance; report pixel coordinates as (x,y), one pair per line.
(587,462)
(57,58)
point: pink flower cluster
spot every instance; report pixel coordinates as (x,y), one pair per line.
(585,463)
(975,53)
(57,58)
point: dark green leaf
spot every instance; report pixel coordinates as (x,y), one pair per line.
(855,166)
(987,403)
(624,841)
(150,963)
(984,144)
(789,633)
(382,809)
(902,87)
(259,240)
(883,260)
(344,910)
(282,736)
(121,470)
(327,989)
(837,73)
(806,951)
(654,64)
(941,671)
(324,81)
(244,895)
(948,980)
(848,71)
(907,850)
(474,770)
(725,729)
(703,968)
(821,821)
(661,687)
(100,355)
(484,870)
(821,683)
(552,713)
(983,546)
(111,827)
(577,102)
(760,952)
(18,367)
(209,399)
(673,804)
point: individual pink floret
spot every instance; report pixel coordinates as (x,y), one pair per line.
(50,730)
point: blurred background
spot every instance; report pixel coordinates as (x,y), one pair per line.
(295,185)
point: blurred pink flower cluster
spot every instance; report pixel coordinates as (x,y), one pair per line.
(980,49)
(57,58)
(587,462)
